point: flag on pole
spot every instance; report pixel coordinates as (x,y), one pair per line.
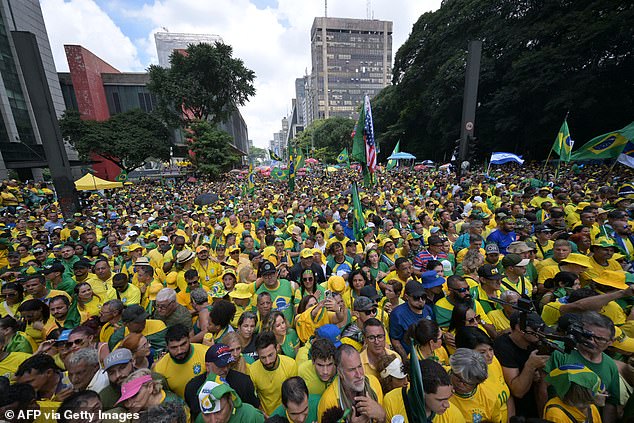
(274,156)
(291,169)
(251,180)
(343,157)
(359,221)
(397,149)
(606,146)
(501,158)
(279,174)
(563,143)
(627,155)
(363,143)
(416,393)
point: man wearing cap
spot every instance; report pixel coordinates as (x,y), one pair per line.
(135,320)
(602,251)
(184,361)
(407,314)
(363,309)
(515,271)
(281,290)
(433,285)
(56,278)
(543,241)
(433,252)
(590,352)
(218,402)
(306,261)
(208,270)
(218,361)
(521,364)
(389,254)
(353,389)
(489,287)
(580,379)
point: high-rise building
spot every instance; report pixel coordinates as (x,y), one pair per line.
(167,42)
(350,58)
(30,96)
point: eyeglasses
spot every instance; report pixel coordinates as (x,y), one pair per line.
(375,338)
(308,279)
(418,297)
(460,290)
(162,306)
(9,295)
(370,312)
(473,319)
(600,340)
(192,283)
(76,342)
(235,252)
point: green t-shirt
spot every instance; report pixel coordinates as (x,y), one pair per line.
(282,298)
(246,413)
(19,343)
(313,403)
(606,370)
(291,342)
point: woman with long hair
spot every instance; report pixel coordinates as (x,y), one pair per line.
(559,287)
(287,340)
(378,269)
(308,286)
(232,340)
(357,280)
(428,338)
(12,296)
(87,303)
(246,331)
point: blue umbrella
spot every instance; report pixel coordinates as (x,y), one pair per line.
(402,156)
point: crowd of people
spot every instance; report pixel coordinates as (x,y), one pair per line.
(475,298)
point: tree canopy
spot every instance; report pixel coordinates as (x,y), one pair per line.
(127,139)
(211,152)
(204,83)
(540,59)
(328,136)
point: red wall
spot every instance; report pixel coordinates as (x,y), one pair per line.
(85,71)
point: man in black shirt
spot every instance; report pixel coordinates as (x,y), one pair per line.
(522,366)
(306,262)
(217,360)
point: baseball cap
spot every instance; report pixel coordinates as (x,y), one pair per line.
(210,394)
(518,247)
(385,241)
(430,279)
(492,249)
(118,356)
(414,288)
(370,292)
(514,260)
(413,235)
(394,369)
(543,228)
(53,267)
(394,233)
(336,283)
(201,248)
(306,253)
(622,341)
(220,355)
(266,268)
(362,303)
(131,388)
(489,271)
(133,314)
(435,240)
(330,332)
(82,264)
(163,238)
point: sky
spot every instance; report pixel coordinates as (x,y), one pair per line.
(272,37)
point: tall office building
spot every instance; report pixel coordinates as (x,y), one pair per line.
(31,100)
(167,42)
(350,58)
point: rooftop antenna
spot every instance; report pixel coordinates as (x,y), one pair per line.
(165,29)
(368,9)
(325,8)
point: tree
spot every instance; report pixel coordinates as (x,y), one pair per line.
(328,136)
(539,60)
(211,152)
(256,153)
(204,83)
(127,139)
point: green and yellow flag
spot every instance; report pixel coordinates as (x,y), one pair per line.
(343,157)
(251,180)
(359,220)
(606,146)
(279,174)
(397,149)
(274,156)
(563,143)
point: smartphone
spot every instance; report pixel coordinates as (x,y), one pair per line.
(328,294)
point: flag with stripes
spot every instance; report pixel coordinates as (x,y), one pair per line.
(368,135)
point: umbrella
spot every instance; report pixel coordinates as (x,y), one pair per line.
(420,167)
(402,155)
(428,162)
(311,161)
(204,199)
(331,169)
(234,171)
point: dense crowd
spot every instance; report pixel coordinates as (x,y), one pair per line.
(510,292)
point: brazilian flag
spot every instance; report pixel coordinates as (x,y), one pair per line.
(122,177)
(343,157)
(606,146)
(279,174)
(563,143)
(274,156)
(359,221)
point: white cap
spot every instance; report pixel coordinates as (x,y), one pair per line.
(164,238)
(394,369)
(132,233)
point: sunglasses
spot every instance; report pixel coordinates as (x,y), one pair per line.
(308,279)
(370,312)
(418,297)
(11,295)
(460,290)
(76,342)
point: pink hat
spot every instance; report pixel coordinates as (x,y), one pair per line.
(131,388)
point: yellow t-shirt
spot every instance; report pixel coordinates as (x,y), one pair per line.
(178,374)
(596,269)
(394,406)
(306,371)
(499,320)
(10,364)
(551,313)
(268,383)
(555,415)
(90,309)
(481,406)
(330,398)
(614,311)
(495,383)
(369,369)
(132,295)
(517,286)
(208,274)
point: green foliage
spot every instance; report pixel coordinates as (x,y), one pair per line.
(330,136)
(211,147)
(256,153)
(127,139)
(540,59)
(206,81)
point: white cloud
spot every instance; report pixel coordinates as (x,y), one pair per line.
(274,42)
(84,22)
